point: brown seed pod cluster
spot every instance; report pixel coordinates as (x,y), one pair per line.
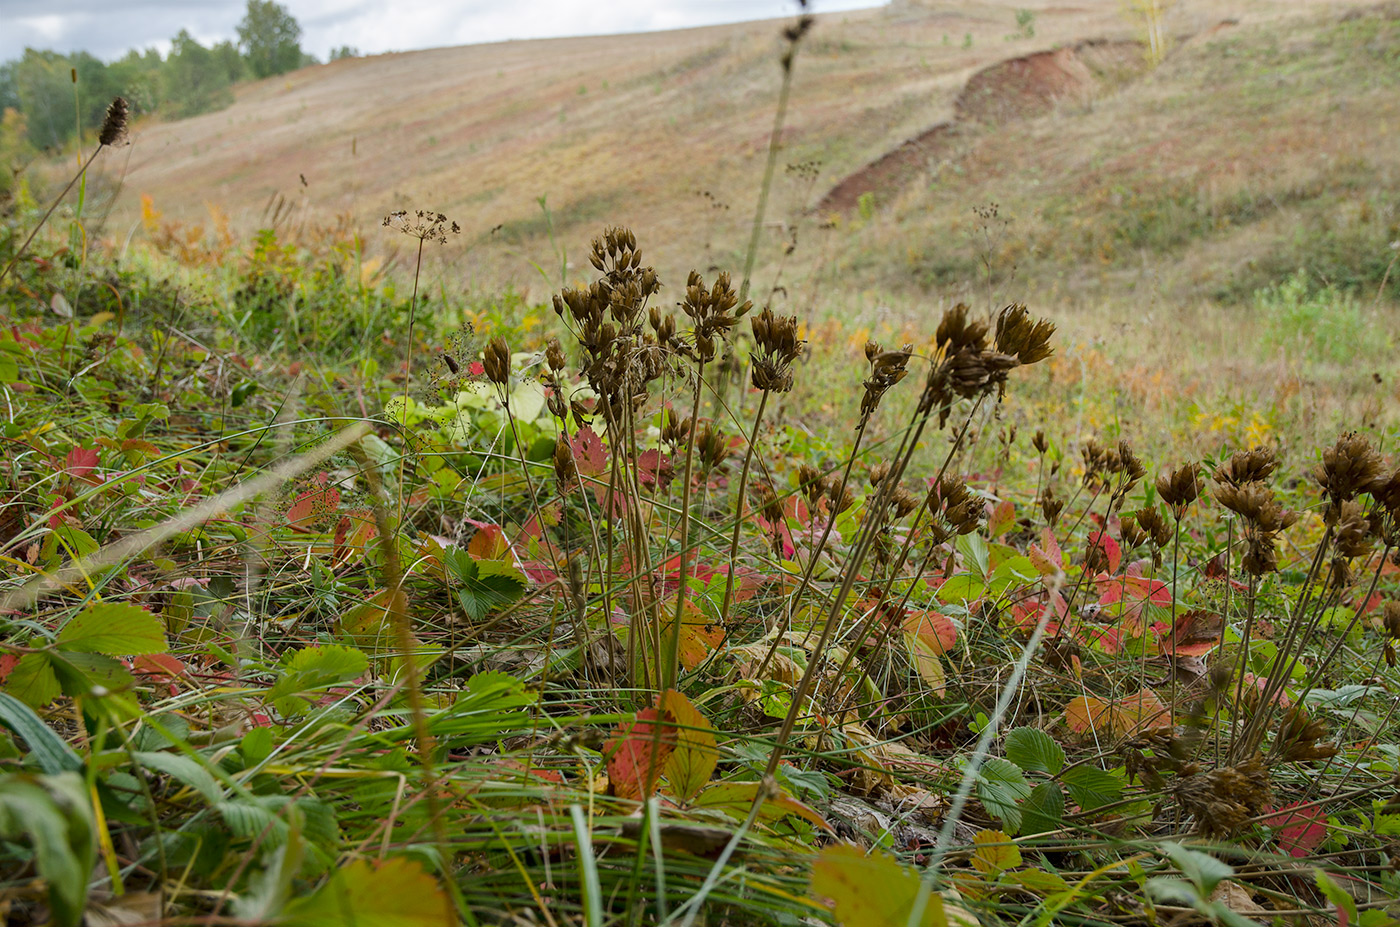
(1224,799)
(956,509)
(114,125)
(1348,467)
(713,312)
(1240,488)
(1299,738)
(496,361)
(422,224)
(778,346)
(886,369)
(1180,487)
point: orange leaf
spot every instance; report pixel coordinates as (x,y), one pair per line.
(637,753)
(693,761)
(489,543)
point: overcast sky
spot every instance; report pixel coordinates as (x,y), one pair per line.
(108,28)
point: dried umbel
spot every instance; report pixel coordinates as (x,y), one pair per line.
(1390,619)
(1150,521)
(674,431)
(1039,442)
(1023,337)
(886,369)
(958,506)
(1252,466)
(811,483)
(903,502)
(496,361)
(778,346)
(424,225)
(1180,487)
(114,125)
(1348,467)
(565,470)
(1050,507)
(956,332)
(712,446)
(554,355)
(1263,519)
(1298,738)
(878,472)
(713,311)
(1223,800)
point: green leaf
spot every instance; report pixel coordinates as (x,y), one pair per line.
(961,588)
(486,585)
(1091,787)
(50,752)
(33,681)
(1001,785)
(1043,810)
(1034,751)
(312,668)
(79,673)
(995,853)
(183,769)
(1203,870)
(256,746)
(690,765)
(1335,894)
(114,628)
(53,815)
(869,891)
(396,892)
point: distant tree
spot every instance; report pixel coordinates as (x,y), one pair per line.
(138,78)
(270,39)
(195,81)
(344,51)
(45,90)
(229,58)
(96,88)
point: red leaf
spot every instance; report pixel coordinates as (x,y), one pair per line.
(1047,558)
(1197,632)
(489,543)
(590,457)
(654,470)
(934,628)
(80,462)
(159,666)
(311,507)
(637,753)
(1002,518)
(1299,831)
(1112,551)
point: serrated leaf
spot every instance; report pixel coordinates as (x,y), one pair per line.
(395,892)
(1034,751)
(33,680)
(484,585)
(869,891)
(1001,785)
(116,628)
(1090,787)
(1204,871)
(1043,810)
(312,668)
(994,853)
(1040,882)
(692,763)
(638,752)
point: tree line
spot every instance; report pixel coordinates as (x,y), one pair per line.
(47,97)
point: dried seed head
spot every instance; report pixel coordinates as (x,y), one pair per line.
(1130,466)
(1180,487)
(1298,738)
(114,125)
(1390,617)
(1050,507)
(1154,526)
(955,332)
(565,470)
(554,355)
(1348,467)
(1252,466)
(422,224)
(886,369)
(778,347)
(1353,532)
(1039,442)
(496,361)
(1019,335)
(878,472)
(1223,800)
(904,502)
